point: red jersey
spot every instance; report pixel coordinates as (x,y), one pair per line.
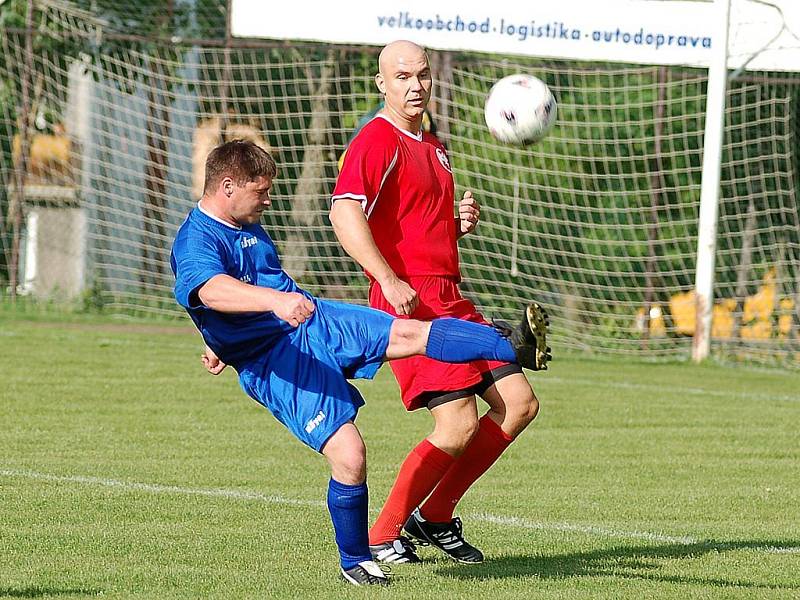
(405,186)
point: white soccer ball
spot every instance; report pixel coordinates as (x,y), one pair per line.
(520,109)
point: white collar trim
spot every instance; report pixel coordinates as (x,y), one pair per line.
(417,137)
(217,219)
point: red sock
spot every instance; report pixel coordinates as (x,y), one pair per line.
(419,474)
(484,449)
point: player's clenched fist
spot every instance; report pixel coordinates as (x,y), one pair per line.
(469,212)
(400,295)
(211,362)
(295,309)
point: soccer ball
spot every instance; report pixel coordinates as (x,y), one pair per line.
(520,110)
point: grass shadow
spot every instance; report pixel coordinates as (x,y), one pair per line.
(628,562)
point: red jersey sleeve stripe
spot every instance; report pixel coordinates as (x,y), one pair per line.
(383,180)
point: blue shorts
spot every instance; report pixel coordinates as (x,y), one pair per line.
(302,380)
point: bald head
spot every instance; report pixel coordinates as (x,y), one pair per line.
(404,79)
(400,52)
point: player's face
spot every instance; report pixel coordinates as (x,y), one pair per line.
(248,201)
(407,84)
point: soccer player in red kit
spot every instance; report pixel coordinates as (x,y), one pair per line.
(393,213)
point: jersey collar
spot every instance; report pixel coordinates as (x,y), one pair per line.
(417,137)
(217,219)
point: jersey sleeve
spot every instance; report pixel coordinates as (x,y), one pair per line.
(197,259)
(368,161)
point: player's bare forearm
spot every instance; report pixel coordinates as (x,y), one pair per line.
(351,227)
(354,234)
(227,294)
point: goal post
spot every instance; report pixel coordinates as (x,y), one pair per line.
(710,185)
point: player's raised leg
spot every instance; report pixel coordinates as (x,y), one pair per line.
(459,341)
(348,505)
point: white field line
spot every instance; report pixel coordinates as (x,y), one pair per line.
(662,390)
(155,488)
(516,522)
(587,529)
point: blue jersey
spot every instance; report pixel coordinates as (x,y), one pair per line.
(205,247)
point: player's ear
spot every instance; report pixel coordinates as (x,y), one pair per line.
(227,186)
(380,83)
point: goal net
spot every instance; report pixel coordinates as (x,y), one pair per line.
(598,221)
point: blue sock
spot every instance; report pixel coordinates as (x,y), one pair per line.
(457,341)
(348,507)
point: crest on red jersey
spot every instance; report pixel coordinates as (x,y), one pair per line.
(443,159)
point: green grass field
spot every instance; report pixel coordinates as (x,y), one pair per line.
(126,471)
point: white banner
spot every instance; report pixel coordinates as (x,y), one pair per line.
(632,31)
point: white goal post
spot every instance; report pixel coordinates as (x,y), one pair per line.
(710,186)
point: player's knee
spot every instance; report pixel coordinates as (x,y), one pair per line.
(469,430)
(407,337)
(347,456)
(532,409)
(464,434)
(455,436)
(350,467)
(521,411)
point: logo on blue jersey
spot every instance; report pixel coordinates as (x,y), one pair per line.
(312,424)
(247,242)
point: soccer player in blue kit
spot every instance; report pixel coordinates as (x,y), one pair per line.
(293,352)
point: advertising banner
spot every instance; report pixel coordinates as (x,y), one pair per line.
(631,31)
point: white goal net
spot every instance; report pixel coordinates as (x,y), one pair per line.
(598,221)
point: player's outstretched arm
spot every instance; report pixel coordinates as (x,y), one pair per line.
(352,229)
(227,294)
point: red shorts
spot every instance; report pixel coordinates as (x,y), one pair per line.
(418,375)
